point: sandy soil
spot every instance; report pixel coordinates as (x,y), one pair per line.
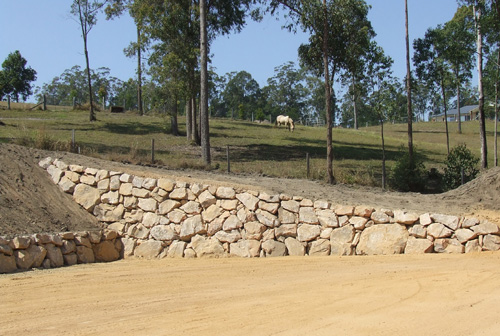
(384,295)
(390,295)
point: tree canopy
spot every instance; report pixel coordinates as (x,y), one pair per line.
(16,77)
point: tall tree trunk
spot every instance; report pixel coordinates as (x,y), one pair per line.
(496,101)
(482,121)
(458,110)
(139,72)
(174,126)
(354,106)
(383,153)
(329,147)
(189,135)
(83,24)
(195,133)
(408,89)
(205,132)
(445,106)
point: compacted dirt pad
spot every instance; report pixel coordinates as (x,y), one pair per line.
(380,295)
(388,295)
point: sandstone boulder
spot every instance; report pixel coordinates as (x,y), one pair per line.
(148,249)
(273,248)
(207,247)
(319,247)
(383,239)
(87,196)
(447,245)
(105,251)
(163,233)
(308,232)
(418,246)
(7,263)
(294,247)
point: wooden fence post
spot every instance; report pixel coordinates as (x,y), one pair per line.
(228,161)
(152,150)
(8,102)
(307,164)
(73,145)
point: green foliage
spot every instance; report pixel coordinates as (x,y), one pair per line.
(406,175)
(460,157)
(15,77)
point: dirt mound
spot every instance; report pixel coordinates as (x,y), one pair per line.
(31,203)
(484,189)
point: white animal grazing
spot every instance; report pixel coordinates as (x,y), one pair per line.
(285,120)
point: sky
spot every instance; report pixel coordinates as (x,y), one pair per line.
(49,38)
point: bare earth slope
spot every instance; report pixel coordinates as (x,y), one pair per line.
(433,294)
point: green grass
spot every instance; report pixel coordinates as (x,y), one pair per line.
(254,148)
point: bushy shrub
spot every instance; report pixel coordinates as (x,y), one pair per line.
(460,157)
(406,175)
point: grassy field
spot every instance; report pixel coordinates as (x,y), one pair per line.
(254,148)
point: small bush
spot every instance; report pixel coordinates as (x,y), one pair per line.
(460,157)
(406,175)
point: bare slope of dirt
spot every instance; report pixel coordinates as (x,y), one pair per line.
(31,203)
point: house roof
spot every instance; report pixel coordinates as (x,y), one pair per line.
(463,110)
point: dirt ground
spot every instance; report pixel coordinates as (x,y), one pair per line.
(389,295)
(381,295)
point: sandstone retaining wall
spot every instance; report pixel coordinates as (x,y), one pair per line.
(157,218)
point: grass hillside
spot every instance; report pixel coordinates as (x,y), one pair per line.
(253,147)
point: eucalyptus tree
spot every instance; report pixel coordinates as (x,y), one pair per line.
(114,9)
(480,9)
(216,17)
(170,30)
(381,97)
(331,24)
(408,90)
(432,66)
(241,94)
(86,12)
(459,50)
(287,91)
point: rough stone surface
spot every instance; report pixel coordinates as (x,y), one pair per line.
(163,233)
(207,247)
(438,230)
(308,232)
(248,200)
(491,243)
(7,264)
(383,239)
(308,215)
(447,245)
(418,246)
(273,248)
(294,247)
(87,196)
(55,255)
(190,227)
(486,228)
(148,249)
(105,251)
(320,247)
(450,221)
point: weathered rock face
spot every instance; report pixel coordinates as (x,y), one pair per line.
(383,239)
